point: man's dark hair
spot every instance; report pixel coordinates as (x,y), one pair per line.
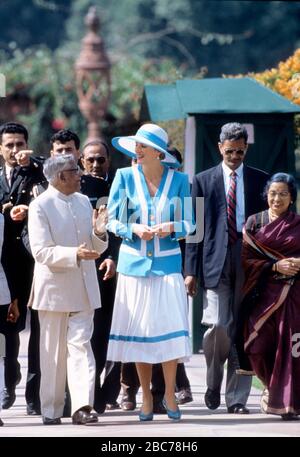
(233,131)
(63,136)
(96,143)
(13,127)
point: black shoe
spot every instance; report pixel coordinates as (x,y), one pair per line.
(33,410)
(48,421)
(82,417)
(289,417)
(158,407)
(184,396)
(9,397)
(238,409)
(1,423)
(128,402)
(212,399)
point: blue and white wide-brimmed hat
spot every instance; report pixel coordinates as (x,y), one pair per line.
(150,135)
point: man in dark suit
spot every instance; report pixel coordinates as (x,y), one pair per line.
(17,178)
(232,191)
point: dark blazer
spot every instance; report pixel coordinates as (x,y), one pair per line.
(206,258)
(16,260)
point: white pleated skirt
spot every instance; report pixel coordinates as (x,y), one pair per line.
(150,320)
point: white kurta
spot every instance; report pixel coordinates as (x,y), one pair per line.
(57,225)
(65,293)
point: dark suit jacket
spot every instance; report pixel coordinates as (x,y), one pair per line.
(206,258)
(16,260)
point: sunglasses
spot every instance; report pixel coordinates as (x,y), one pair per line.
(100,160)
(239,152)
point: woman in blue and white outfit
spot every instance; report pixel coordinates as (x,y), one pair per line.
(149,207)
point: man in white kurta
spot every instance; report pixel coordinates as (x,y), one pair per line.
(64,244)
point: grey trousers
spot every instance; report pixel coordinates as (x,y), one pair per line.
(221,306)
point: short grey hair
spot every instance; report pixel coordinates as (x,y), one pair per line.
(56,164)
(233,131)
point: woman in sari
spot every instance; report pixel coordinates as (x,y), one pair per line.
(271,259)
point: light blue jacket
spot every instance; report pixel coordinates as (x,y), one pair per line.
(130,202)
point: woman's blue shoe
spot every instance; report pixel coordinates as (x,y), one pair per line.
(174,415)
(146,417)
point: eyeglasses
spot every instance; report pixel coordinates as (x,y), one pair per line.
(100,160)
(239,152)
(283,194)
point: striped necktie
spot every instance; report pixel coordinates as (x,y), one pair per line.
(231,209)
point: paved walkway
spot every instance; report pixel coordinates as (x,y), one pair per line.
(197,420)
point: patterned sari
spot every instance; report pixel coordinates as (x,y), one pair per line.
(274,316)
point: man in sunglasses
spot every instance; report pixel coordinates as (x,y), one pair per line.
(232,192)
(95,160)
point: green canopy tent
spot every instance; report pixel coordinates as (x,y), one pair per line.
(207,104)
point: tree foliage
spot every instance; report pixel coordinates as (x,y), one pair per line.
(225,36)
(148,41)
(47,79)
(32,22)
(285,80)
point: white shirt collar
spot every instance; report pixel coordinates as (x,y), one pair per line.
(227,171)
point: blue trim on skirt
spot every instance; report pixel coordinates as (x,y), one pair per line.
(150,339)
